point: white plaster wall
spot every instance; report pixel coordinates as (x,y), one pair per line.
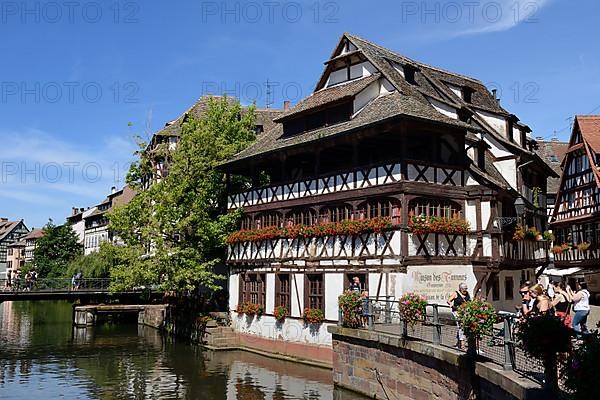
(234,291)
(443,108)
(486,213)
(456,89)
(497,149)
(471,213)
(516,135)
(270,301)
(365,96)
(487,245)
(386,86)
(508,169)
(291,330)
(399,68)
(374,284)
(504,303)
(362,70)
(334,286)
(297,295)
(495,121)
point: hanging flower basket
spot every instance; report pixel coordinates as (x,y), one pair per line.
(476,318)
(313,316)
(412,308)
(250,309)
(280,313)
(351,305)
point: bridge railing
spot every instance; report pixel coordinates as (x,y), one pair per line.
(49,285)
(439,327)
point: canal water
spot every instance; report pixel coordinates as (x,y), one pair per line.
(43,357)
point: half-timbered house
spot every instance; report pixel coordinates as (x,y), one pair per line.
(576,217)
(346,184)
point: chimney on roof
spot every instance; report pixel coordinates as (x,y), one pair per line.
(495,94)
(539,138)
(555,139)
(113,190)
(2,219)
(286,105)
(74,210)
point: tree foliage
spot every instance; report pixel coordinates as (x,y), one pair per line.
(55,250)
(175,229)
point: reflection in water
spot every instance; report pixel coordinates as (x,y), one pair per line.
(42,355)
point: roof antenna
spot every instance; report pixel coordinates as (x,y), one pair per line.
(268,94)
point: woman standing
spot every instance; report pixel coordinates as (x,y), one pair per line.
(562,302)
(542,304)
(455,300)
(581,306)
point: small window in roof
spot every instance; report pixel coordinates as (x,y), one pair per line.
(553,158)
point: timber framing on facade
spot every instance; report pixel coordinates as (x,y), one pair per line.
(576,216)
(384,136)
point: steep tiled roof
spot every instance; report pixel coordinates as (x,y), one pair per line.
(589,126)
(381,109)
(329,95)
(553,152)
(7,227)
(34,234)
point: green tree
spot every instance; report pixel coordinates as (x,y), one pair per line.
(55,250)
(175,229)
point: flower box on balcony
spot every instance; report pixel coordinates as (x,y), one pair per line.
(250,309)
(343,228)
(421,225)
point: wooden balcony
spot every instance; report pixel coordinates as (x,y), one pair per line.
(325,250)
(534,251)
(577,257)
(351,180)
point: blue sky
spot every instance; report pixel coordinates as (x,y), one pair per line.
(73,76)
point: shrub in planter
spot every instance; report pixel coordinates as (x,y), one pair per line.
(556,250)
(549,236)
(351,304)
(313,316)
(280,313)
(476,317)
(250,309)
(412,308)
(519,233)
(580,372)
(543,335)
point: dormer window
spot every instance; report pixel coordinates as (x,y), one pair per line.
(334,114)
(409,73)
(467,94)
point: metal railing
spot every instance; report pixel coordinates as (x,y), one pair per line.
(50,285)
(439,327)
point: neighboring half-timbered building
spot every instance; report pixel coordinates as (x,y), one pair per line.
(576,218)
(348,181)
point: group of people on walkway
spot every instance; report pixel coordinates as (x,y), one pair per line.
(560,300)
(14,280)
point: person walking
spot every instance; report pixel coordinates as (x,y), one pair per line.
(581,306)
(455,300)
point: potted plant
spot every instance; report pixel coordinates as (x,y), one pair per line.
(549,236)
(519,233)
(583,246)
(556,250)
(543,337)
(580,371)
(412,308)
(350,303)
(280,313)
(313,316)
(476,318)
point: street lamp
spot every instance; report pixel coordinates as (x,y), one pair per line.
(520,207)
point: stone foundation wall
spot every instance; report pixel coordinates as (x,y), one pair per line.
(384,366)
(153,315)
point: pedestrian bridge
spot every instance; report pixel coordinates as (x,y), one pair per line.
(65,289)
